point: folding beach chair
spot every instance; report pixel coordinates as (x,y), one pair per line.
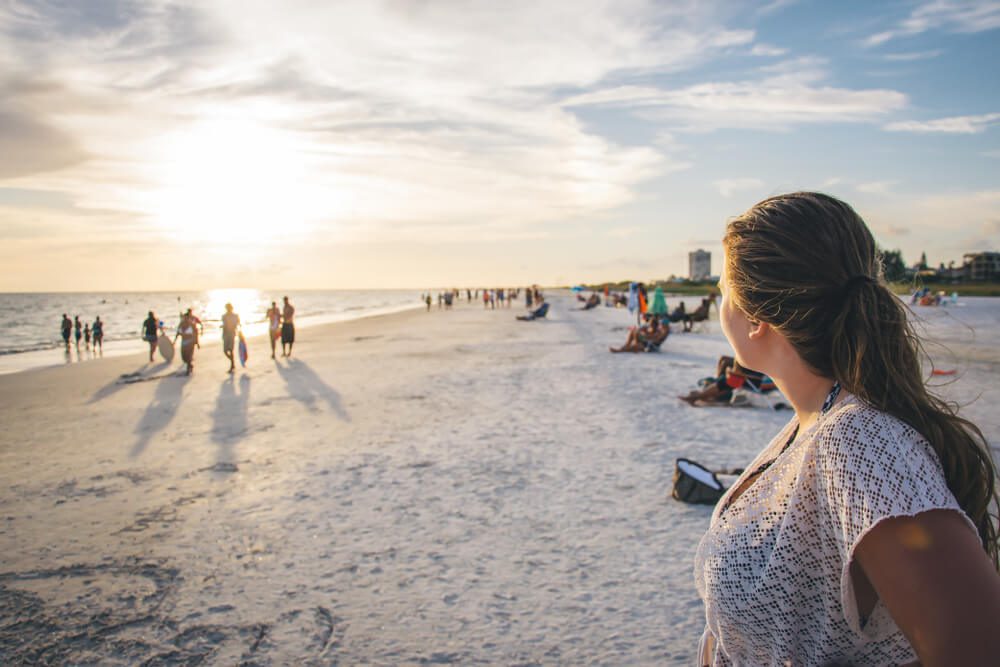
(538,313)
(762,394)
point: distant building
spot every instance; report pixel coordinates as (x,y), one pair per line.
(981,265)
(699,265)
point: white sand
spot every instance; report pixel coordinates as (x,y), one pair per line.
(444,487)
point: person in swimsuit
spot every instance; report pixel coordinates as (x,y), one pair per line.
(864,533)
(97,331)
(273,325)
(287,328)
(150,329)
(86,334)
(187,331)
(230,324)
(66,329)
(77,329)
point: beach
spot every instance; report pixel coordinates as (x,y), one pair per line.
(443,487)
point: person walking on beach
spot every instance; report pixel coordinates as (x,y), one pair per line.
(273,325)
(67,329)
(187,331)
(86,334)
(287,328)
(427,299)
(150,327)
(230,323)
(97,330)
(862,534)
(77,329)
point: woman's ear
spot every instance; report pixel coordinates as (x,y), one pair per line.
(758,330)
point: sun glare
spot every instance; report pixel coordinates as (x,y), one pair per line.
(234,181)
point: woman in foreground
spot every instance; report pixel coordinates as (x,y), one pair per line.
(862,534)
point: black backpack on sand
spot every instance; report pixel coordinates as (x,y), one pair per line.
(694,483)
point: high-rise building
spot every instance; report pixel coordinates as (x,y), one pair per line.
(699,265)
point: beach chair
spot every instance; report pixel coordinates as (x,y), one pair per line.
(538,313)
(758,394)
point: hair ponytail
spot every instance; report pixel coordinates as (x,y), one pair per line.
(806,264)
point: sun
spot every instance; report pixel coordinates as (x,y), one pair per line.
(229,180)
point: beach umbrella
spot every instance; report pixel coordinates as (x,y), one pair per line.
(578,288)
(659,305)
(633,297)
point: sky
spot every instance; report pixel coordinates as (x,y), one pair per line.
(408,143)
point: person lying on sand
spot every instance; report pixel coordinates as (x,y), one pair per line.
(646,338)
(729,375)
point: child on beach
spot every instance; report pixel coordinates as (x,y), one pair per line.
(861,535)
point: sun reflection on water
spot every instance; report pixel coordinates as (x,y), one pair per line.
(250,304)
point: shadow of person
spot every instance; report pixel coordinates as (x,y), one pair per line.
(159,413)
(230,419)
(305,386)
(125,379)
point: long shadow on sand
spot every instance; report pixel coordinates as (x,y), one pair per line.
(230,422)
(141,374)
(160,412)
(305,386)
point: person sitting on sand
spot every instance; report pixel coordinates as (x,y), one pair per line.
(646,338)
(729,375)
(678,314)
(592,302)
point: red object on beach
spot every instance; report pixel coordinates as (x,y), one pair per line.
(938,371)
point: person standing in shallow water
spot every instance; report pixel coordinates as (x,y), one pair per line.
(77,329)
(862,534)
(97,331)
(273,325)
(230,324)
(66,329)
(287,328)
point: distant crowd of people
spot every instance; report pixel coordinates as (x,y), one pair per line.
(90,333)
(190,328)
(493,298)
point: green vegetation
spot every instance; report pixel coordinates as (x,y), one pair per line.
(963,289)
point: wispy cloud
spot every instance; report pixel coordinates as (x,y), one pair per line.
(959,16)
(875,187)
(952,125)
(767,50)
(790,93)
(728,187)
(913,55)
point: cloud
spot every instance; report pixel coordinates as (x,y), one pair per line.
(791,92)
(956,16)
(952,125)
(875,187)
(767,50)
(731,186)
(913,56)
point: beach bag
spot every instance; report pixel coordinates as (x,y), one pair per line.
(693,483)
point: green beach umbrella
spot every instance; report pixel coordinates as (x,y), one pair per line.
(659,305)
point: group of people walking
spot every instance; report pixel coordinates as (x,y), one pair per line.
(74,329)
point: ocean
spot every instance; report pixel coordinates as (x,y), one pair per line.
(30,323)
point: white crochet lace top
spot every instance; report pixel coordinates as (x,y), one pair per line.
(773,568)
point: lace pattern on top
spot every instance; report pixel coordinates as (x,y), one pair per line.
(774,568)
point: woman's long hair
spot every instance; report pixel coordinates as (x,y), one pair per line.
(806,264)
